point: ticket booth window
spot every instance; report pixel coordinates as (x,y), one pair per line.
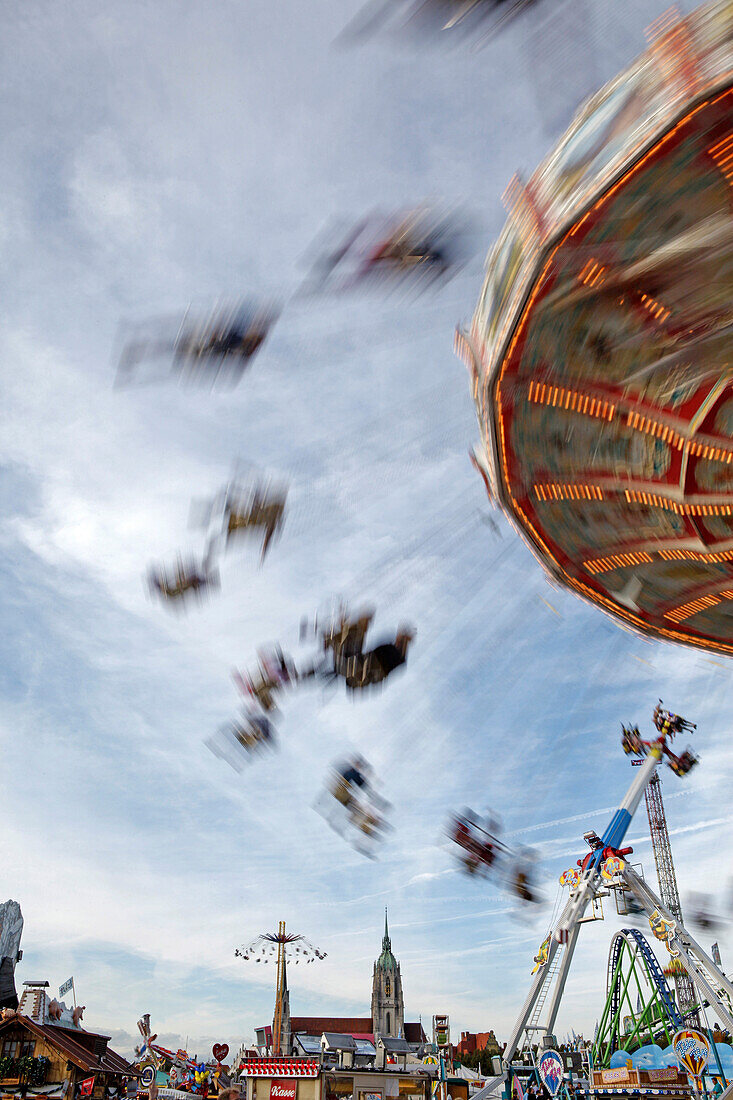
(411,1090)
(339,1088)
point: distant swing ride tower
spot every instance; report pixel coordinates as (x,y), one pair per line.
(668,891)
(278,945)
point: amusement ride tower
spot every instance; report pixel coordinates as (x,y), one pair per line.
(686,997)
(277,945)
(602,869)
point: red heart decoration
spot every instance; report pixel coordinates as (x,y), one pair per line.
(220,1051)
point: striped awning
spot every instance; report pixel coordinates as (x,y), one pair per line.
(280,1067)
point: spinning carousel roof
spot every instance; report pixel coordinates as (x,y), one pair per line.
(601,349)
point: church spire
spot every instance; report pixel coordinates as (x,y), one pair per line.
(388,1010)
(386,960)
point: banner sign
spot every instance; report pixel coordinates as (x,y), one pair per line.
(66,987)
(173,1094)
(86,1088)
(220,1051)
(664,930)
(669,1073)
(612,867)
(692,1050)
(570,878)
(283,1090)
(609,1076)
(551,1071)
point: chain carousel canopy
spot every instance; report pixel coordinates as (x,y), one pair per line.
(271,944)
(601,352)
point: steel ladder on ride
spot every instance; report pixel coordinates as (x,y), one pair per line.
(533,1024)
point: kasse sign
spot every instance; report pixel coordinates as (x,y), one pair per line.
(283,1090)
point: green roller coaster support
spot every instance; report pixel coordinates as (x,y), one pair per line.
(633,967)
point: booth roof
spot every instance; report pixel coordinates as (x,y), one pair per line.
(336,1040)
(68,1044)
(395,1046)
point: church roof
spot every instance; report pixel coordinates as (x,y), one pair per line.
(342,1025)
(386,960)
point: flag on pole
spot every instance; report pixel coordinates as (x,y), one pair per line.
(518,1090)
(715,952)
(66,987)
(86,1088)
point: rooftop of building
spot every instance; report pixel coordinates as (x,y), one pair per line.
(334,1040)
(394,1046)
(86,1049)
(357,1026)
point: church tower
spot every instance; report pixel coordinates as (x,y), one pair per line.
(388,1007)
(281,1017)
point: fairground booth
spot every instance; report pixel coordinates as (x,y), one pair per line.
(335,1075)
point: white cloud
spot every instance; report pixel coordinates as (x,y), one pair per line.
(176,158)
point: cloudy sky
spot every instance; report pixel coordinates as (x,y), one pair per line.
(155,155)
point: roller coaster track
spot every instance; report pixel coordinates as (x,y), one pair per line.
(654,970)
(610,1036)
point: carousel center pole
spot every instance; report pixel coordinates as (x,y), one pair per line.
(276,1039)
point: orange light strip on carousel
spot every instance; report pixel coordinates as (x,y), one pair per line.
(669,435)
(695,555)
(687,610)
(542,394)
(722,154)
(616,561)
(567,491)
(634,496)
(658,311)
(595,597)
(592,274)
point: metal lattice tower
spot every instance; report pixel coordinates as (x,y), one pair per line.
(686,996)
(277,945)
